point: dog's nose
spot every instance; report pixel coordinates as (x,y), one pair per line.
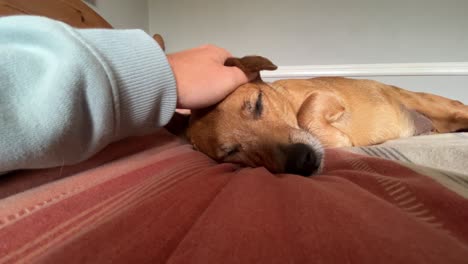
(301,159)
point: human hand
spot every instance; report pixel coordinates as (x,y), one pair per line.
(201,77)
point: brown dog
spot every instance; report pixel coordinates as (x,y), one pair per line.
(282,125)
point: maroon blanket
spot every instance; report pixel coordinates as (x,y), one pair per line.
(169,204)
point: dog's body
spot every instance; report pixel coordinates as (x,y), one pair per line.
(282,125)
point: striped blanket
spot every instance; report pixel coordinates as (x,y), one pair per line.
(443,157)
(155,200)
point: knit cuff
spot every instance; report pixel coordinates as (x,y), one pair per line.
(141,78)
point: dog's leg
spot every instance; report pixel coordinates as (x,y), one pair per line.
(446,115)
(317,114)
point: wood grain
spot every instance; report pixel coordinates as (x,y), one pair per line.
(73,12)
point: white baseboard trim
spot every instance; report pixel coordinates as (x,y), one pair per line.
(368,70)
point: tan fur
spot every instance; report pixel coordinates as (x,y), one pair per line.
(335,111)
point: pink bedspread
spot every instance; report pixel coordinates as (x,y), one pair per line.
(155,200)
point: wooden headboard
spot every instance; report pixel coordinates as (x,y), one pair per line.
(73,12)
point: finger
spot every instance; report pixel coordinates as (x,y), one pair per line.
(183,111)
(238,76)
(226,54)
(221,53)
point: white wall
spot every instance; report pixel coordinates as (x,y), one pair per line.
(296,32)
(318,32)
(123,13)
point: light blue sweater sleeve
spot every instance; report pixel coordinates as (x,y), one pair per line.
(67,93)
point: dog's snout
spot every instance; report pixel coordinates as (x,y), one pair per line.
(301,159)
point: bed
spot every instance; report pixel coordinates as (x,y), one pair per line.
(153,199)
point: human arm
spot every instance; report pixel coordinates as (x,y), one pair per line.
(66,93)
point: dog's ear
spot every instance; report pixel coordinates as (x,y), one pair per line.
(251,64)
(159,39)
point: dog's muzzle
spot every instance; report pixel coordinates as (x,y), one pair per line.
(301,159)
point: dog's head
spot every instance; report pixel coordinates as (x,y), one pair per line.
(255,126)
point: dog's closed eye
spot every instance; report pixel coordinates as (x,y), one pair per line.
(258,106)
(230,151)
(255,109)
